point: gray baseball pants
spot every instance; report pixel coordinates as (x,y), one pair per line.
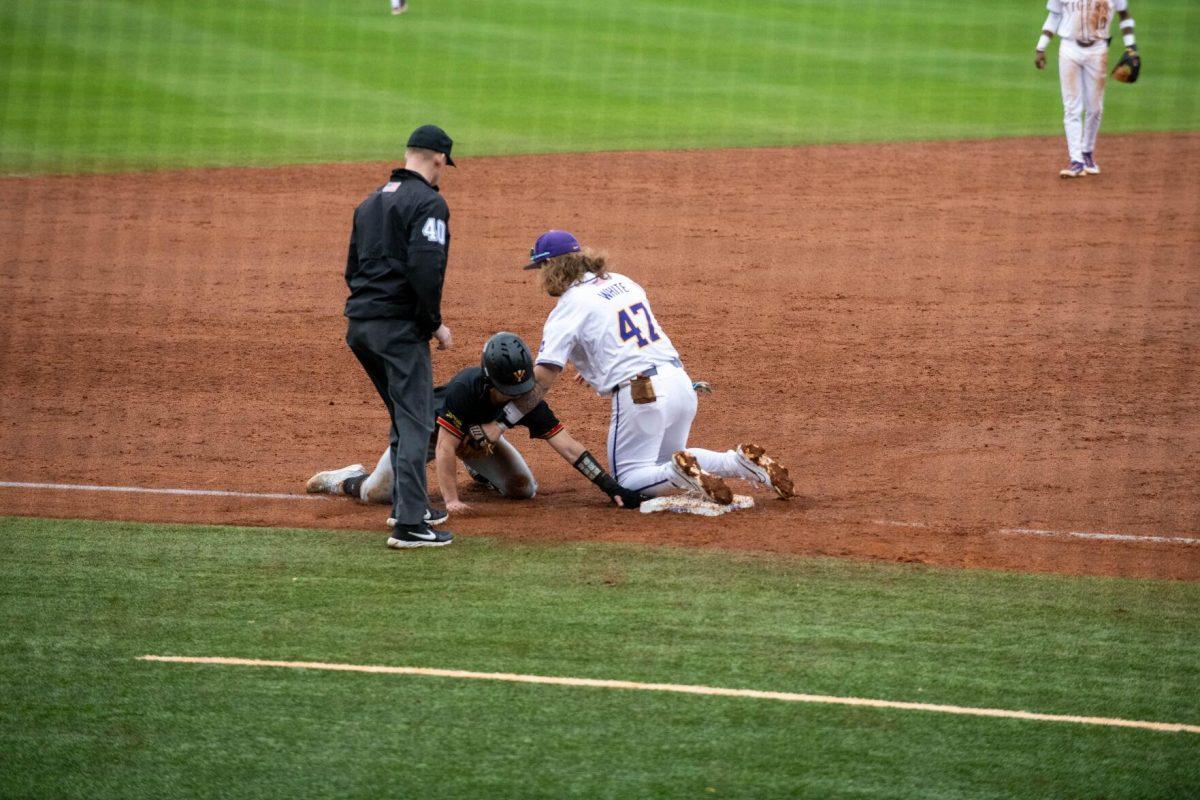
(396,357)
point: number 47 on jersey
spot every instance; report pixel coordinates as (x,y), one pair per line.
(628,327)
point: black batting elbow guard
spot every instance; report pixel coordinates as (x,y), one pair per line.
(590,468)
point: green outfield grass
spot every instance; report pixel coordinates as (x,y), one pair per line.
(162,83)
(80,717)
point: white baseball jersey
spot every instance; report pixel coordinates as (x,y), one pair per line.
(604,326)
(1085,20)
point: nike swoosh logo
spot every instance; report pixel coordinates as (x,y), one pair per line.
(428,536)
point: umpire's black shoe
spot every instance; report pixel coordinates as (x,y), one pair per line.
(407,536)
(433,516)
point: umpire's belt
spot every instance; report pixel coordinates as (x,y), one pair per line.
(646,373)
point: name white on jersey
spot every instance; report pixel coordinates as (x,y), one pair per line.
(605,327)
(1086,20)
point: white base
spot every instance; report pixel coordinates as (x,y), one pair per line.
(687,504)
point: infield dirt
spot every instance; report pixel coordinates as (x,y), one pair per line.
(942,333)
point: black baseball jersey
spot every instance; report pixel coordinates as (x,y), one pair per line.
(397,257)
(465,401)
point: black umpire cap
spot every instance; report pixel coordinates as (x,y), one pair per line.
(431,137)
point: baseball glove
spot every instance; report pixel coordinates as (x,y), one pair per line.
(1127,69)
(474,445)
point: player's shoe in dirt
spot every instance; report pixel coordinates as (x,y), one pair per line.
(766,470)
(330,481)
(433,516)
(1074,170)
(687,469)
(418,536)
(1089,165)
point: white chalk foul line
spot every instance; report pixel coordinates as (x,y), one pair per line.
(1110,537)
(82,487)
(789,697)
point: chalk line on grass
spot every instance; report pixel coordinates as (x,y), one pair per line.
(82,487)
(789,697)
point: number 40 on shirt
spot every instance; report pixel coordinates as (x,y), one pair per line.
(434,230)
(628,326)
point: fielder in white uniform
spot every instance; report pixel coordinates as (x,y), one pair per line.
(1083,26)
(603,324)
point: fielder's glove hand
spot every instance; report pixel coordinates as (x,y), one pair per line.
(1127,69)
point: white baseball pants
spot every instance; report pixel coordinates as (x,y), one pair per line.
(642,438)
(1082,72)
(505,469)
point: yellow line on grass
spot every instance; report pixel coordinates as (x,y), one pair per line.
(789,697)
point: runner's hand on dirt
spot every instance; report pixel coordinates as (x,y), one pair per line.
(627,498)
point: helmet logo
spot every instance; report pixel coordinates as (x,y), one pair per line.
(519,374)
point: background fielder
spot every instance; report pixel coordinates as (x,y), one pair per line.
(1083,26)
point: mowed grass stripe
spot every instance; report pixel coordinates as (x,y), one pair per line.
(710,691)
(81,717)
(172,83)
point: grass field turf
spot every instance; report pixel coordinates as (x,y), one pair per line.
(82,718)
(168,83)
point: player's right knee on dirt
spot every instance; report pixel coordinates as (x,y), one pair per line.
(520,487)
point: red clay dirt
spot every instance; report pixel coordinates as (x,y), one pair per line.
(937,334)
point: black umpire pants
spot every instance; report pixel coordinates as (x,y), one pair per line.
(396,357)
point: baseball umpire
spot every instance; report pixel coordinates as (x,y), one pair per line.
(395,268)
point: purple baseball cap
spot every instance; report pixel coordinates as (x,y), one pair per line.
(551,244)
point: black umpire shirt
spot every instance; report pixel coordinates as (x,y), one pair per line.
(397,258)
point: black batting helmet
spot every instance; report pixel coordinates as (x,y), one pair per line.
(508,364)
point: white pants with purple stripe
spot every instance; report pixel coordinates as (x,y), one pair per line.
(642,438)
